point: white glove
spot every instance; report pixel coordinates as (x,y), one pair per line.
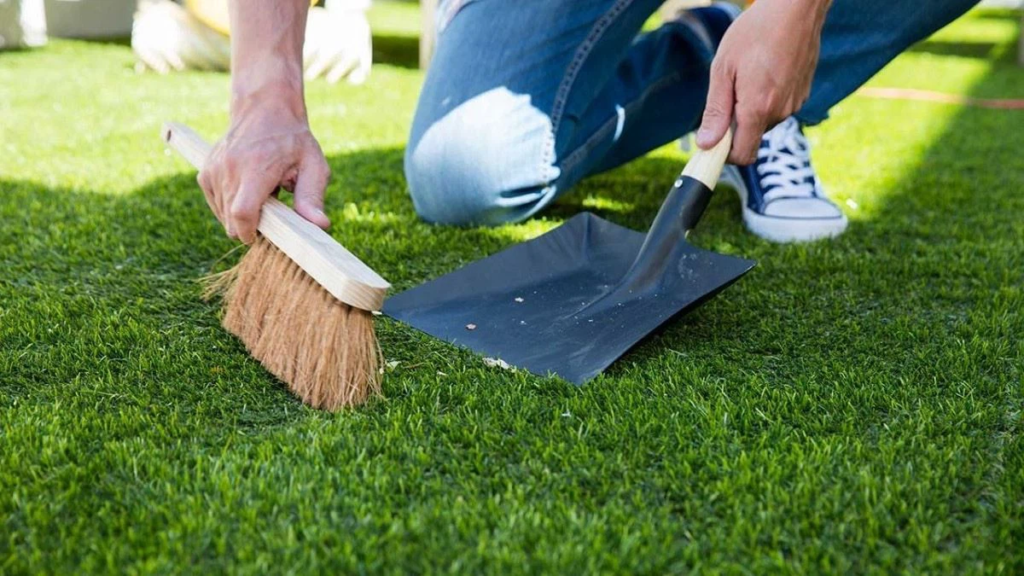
(338,44)
(22,24)
(166,37)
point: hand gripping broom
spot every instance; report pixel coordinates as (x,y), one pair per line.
(300,302)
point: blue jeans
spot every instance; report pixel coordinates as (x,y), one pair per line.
(527,97)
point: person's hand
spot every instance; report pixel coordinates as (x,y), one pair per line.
(762,72)
(268,146)
(339,44)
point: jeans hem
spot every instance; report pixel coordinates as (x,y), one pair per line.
(810,119)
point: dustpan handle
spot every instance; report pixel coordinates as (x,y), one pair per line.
(678,214)
(706,165)
(340,272)
(692,192)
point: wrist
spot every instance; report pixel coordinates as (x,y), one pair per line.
(802,19)
(816,9)
(279,100)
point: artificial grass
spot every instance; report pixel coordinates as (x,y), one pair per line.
(852,405)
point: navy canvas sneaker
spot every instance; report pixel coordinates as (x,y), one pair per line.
(783,201)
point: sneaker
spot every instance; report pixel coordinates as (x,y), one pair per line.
(783,201)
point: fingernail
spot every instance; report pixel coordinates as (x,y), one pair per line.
(703,134)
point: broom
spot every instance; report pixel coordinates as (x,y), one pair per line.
(300,302)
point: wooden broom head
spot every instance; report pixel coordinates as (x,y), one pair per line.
(299,301)
(324,350)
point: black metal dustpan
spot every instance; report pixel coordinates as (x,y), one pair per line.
(572,301)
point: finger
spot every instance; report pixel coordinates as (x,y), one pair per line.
(718,110)
(151,59)
(750,127)
(198,54)
(223,194)
(244,210)
(361,73)
(320,62)
(309,191)
(343,68)
(365,58)
(169,52)
(211,201)
(288,180)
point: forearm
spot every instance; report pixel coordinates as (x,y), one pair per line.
(816,11)
(269,145)
(266,56)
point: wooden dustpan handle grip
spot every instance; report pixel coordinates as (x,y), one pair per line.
(187,143)
(706,165)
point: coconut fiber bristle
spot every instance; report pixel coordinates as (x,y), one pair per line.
(325,350)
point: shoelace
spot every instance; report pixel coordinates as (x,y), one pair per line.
(784,164)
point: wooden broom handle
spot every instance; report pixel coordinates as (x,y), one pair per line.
(706,165)
(186,142)
(342,274)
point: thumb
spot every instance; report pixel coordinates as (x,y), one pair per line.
(718,111)
(309,191)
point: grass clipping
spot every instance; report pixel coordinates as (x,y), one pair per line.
(325,350)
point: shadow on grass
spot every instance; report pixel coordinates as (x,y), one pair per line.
(963,49)
(947,227)
(394,50)
(829,294)
(137,256)
(124,41)
(951,237)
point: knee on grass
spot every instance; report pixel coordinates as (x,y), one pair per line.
(486,161)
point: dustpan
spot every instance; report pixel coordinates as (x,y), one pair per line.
(572,301)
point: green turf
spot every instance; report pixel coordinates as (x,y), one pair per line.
(849,406)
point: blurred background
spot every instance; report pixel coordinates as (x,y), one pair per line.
(172,35)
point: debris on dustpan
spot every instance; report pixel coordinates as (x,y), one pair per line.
(573,300)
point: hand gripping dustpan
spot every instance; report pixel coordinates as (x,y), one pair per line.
(572,301)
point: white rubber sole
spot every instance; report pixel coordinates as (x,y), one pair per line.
(782,230)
